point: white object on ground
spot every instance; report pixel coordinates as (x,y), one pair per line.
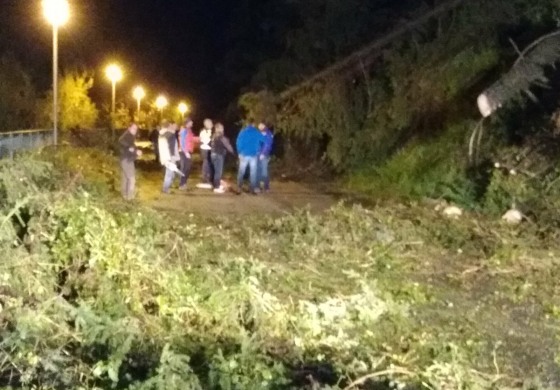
(204,186)
(513,217)
(452,212)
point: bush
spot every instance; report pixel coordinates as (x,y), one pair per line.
(98,296)
(433,169)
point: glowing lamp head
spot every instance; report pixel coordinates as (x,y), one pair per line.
(161,102)
(114,73)
(183,108)
(57,12)
(139,93)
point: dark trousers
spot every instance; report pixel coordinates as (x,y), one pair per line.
(156,150)
(218,165)
(185,167)
(206,166)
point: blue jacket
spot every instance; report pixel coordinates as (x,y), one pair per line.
(249,142)
(266,148)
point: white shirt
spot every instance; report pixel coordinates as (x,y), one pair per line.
(205,139)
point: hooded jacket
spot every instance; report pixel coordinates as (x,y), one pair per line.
(266,148)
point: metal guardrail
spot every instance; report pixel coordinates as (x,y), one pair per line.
(16,141)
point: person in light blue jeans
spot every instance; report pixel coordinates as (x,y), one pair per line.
(249,143)
(168,153)
(264,157)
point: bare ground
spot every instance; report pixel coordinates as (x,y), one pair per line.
(285,195)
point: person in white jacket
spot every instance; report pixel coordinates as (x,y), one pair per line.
(205,139)
(168,153)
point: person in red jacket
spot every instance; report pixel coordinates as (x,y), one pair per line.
(186,149)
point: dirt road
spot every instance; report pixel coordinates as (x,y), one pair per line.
(284,197)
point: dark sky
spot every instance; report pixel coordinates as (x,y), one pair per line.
(177,47)
(170,46)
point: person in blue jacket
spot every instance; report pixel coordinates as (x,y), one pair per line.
(249,144)
(264,157)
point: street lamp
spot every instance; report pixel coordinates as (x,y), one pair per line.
(139,94)
(114,73)
(161,103)
(57,13)
(183,109)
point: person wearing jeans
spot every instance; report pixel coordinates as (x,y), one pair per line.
(205,139)
(264,157)
(168,153)
(220,147)
(249,143)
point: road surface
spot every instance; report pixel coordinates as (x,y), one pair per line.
(285,195)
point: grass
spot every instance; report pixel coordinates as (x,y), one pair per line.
(100,294)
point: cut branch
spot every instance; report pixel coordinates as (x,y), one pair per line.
(368,54)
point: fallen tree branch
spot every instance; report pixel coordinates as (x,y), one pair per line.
(366,55)
(390,371)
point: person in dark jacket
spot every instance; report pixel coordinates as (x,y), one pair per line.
(249,144)
(128,154)
(220,147)
(186,149)
(154,135)
(264,157)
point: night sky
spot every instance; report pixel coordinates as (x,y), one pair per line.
(171,46)
(176,47)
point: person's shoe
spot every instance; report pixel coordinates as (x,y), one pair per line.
(204,186)
(256,191)
(183,188)
(219,190)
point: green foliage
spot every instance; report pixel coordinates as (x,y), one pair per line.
(259,106)
(76,109)
(410,93)
(432,169)
(121,118)
(97,294)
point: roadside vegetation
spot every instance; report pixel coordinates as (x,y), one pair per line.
(99,294)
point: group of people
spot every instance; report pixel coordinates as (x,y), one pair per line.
(175,147)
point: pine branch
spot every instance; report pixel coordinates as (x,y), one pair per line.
(527,71)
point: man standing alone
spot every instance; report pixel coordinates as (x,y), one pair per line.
(249,143)
(129,152)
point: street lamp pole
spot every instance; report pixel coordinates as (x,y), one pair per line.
(55,84)
(57,12)
(161,103)
(138,94)
(183,109)
(114,74)
(113,96)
